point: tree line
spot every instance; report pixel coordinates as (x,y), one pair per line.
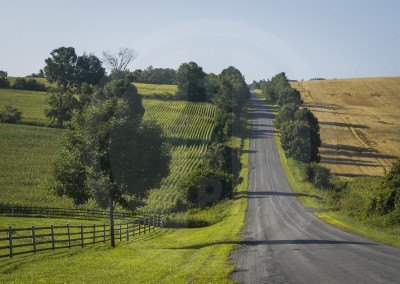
(20,83)
(218,174)
(299,128)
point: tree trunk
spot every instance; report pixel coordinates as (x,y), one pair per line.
(112,223)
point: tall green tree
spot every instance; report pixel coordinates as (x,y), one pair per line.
(68,70)
(60,67)
(296,141)
(190,80)
(61,105)
(111,154)
(88,70)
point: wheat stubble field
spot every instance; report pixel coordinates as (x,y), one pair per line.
(360,123)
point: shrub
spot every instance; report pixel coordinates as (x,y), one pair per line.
(30,84)
(4,83)
(316,174)
(10,114)
(204,187)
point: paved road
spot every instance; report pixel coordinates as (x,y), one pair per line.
(285,242)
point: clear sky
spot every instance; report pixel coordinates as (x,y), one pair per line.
(304,38)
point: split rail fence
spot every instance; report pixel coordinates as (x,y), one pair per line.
(18,241)
(59,212)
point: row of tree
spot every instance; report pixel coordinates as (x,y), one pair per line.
(299,128)
(152,75)
(218,174)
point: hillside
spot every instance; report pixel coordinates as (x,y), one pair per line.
(27,151)
(360,123)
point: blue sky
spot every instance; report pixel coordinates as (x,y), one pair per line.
(305,39)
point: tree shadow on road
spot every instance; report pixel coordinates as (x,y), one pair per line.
(277,242)
(267,194)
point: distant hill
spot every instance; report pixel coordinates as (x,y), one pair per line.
(360,122)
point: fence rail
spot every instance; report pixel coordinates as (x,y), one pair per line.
(60,212)
(17,241)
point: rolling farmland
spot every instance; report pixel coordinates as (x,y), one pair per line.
(27,151)
(360,123)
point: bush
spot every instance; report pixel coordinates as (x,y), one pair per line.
(10,114)
(317,175)
(4,83)
(204,187)
(30,84)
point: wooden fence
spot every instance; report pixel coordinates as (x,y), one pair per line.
(60,212)
(17,241)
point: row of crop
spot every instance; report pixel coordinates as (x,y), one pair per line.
(186,121)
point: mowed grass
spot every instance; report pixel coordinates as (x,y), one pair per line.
(360,123)
(32,104)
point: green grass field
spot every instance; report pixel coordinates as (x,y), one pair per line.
(149,90)
(169,255)
(187,126)
(31,104)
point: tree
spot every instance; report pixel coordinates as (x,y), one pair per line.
(289,96)
(61,106)
(233,91)
(88,70)
(286,113)
(392,178)
(60,67)
(111,154)
(190,80)
(69,70)
(4,82)
(296,141)
(211,84)
(118,62)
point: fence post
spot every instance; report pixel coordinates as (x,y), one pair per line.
(81,235)
(127,234)
(120,232)
(139,221)
(52,237)
(10,241)
(94,233)
(133,228)
(154,227)
(148,223)
(104,233)
(33,239)
(162,221)
(69,236)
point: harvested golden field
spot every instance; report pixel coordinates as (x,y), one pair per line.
(360,123)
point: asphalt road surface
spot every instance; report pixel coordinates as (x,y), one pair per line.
(285,242)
